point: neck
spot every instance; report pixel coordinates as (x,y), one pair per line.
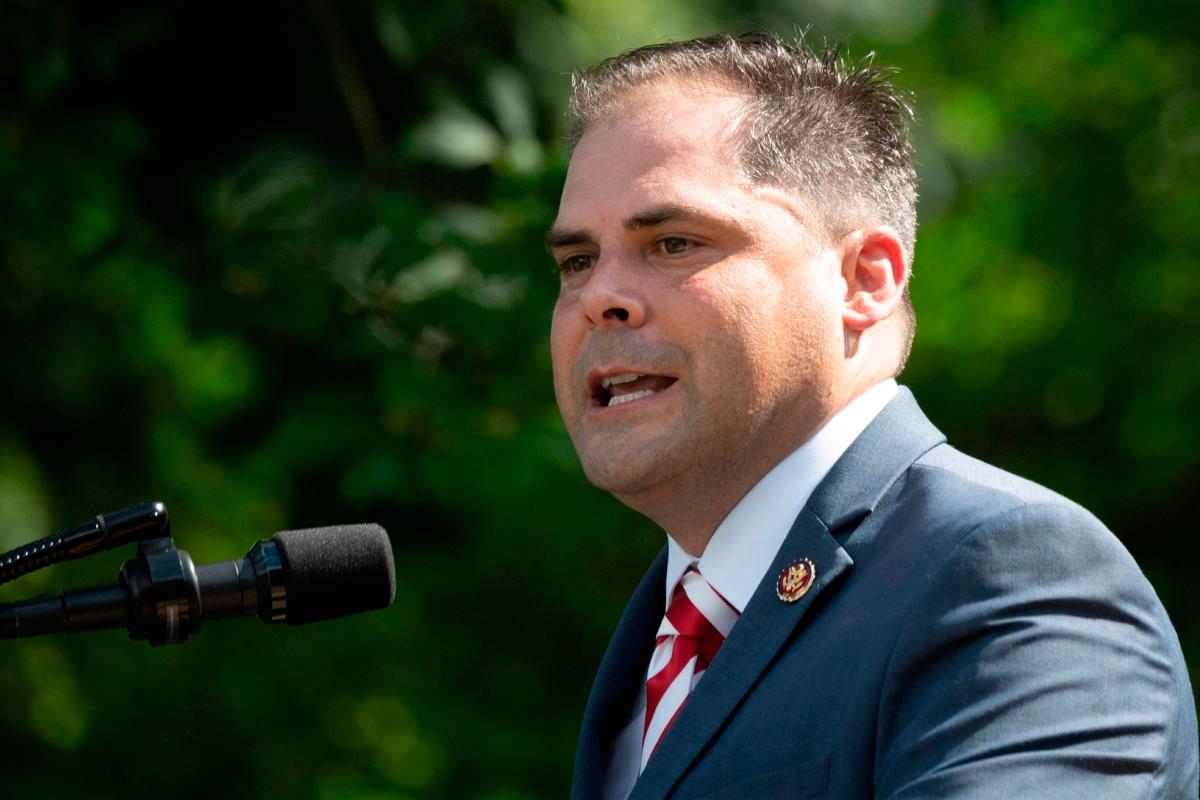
(692,522)
(692,507)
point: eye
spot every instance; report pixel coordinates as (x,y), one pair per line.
(675,245)
(576,263)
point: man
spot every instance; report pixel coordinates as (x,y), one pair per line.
(846,606)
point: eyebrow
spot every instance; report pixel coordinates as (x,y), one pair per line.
(660,215)
(650,218)
(557,237)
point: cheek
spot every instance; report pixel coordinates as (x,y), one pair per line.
(733,297)
(774,331)
(736,322)
(743,306)
(562,350)
(562,327)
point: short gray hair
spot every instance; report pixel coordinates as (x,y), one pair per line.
(835,132)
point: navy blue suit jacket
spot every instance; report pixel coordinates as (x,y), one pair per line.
(969,634)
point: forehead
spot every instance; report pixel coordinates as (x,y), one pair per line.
(670,109)
(656,142)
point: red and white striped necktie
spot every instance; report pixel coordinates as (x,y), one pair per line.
(695,626)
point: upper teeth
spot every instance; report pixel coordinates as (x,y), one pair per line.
(624,378)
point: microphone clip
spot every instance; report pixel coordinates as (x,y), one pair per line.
(168,595)
(163,591)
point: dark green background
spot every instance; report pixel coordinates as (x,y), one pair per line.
(279,265)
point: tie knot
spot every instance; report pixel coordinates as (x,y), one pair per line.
(697,611)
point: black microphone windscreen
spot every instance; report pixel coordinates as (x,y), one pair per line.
(335,571)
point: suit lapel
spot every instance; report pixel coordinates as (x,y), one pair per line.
(617,680)
(884,451)
(854,486)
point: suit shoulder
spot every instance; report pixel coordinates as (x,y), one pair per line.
(957,468)
(956,487)
(1054,643)
(972,518)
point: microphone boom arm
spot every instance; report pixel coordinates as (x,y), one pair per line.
(106,531)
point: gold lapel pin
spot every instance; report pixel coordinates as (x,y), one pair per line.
(795,580)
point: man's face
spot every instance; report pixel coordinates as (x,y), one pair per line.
(697,332)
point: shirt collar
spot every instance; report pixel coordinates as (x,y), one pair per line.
(746,541)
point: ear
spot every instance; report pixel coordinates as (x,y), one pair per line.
(875,272)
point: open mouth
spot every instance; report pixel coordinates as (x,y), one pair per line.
(616,390)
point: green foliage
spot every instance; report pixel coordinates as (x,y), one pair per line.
(280,266)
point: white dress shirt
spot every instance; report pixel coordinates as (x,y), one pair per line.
(745,543)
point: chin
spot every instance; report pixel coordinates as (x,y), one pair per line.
(613,479)
(625,478)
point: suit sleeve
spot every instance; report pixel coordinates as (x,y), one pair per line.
(1038,662)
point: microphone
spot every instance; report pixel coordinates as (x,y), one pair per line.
(296,577)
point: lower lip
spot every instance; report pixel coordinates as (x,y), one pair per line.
(632,405)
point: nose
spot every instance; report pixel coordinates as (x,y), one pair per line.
(611,296)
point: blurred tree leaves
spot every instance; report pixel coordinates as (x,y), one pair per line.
(281,265)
